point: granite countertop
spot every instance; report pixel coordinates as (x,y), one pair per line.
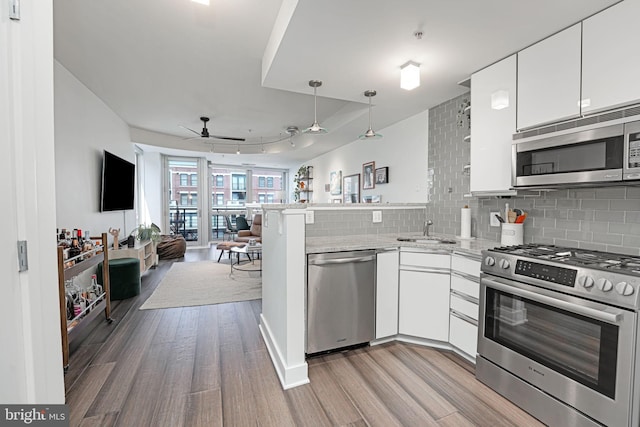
(387,241)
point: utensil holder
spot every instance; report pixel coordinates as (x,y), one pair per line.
(512,234)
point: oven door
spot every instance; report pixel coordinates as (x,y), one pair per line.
(589,156)
(576,350)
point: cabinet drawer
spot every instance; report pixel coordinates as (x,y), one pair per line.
(463,335)
(465,286)
(463,306)
(417,259)
(465,265)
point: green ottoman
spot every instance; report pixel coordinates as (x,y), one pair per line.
(124,277)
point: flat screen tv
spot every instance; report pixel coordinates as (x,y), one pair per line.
(118,183)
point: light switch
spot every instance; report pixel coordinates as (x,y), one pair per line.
(309,217)
(377,216)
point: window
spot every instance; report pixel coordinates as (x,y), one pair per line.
(261,198)
(193,199)
(183,179)
(270,182)
(238,182)
(269,198)
(218,199)
(219,181)
(261,182)
(184,199)
(194,180)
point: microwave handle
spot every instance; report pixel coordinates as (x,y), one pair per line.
(578,309)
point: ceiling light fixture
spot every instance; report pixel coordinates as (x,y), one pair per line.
(204,2)
(370,134)
(410,75)
(315,127)
(238,150)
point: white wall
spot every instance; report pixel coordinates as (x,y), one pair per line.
(403,149)
(31,356)
(152,205)
(84,127)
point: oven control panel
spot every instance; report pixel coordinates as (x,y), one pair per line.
(548,273)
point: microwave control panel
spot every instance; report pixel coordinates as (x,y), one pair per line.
(634,150)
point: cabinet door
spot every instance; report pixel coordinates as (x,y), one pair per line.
(609,58)
(387,294)
(424,305)
(464,335)
(493,103)
(549,79)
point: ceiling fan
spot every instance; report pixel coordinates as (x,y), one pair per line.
(205,132)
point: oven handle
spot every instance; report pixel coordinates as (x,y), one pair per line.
(578,309)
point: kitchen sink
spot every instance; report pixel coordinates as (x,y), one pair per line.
(427,240)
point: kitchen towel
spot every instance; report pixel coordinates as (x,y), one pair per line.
(465,223)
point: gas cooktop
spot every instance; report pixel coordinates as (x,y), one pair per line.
(624,264)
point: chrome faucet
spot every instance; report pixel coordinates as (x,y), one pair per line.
(425,229)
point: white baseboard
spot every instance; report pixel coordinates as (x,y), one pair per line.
(289,376)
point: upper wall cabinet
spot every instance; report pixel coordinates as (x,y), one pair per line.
(610,62)
(493,100)
(549,80)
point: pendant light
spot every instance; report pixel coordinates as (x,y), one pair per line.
(370,134)
(315,127)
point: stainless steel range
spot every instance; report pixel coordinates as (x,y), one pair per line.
(558,333)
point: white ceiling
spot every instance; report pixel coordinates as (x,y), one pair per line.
(163,63)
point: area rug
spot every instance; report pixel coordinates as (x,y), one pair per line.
(189,284)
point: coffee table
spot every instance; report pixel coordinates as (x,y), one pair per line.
(255,250)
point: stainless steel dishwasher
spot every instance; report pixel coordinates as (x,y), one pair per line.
(340,299)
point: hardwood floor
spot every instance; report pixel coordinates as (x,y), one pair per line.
(208,366)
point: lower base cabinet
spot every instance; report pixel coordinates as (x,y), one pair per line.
(463,334)
(387,294)
(424,305)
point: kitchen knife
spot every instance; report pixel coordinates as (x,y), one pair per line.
(500,219)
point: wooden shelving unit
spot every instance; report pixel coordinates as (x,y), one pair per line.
(144,251)
(70,328)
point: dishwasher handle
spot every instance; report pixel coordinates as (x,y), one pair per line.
(342,260)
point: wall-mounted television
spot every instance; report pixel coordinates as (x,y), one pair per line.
(118,183)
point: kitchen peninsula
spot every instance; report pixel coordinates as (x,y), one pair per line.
(291,231)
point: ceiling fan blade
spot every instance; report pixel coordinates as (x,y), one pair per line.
(196,132)
(229,138)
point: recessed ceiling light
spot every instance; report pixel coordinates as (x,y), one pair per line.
(204,2)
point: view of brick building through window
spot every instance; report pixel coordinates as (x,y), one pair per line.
(229,191)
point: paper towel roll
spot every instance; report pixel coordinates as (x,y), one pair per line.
(465,223)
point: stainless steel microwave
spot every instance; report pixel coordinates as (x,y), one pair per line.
(600,156)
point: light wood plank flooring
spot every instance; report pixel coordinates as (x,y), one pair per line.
(208,366)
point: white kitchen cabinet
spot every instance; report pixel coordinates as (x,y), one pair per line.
(465,290)
(424,295)
(609,60)
(549,79)
(493,97)
(387,294)
(464,335)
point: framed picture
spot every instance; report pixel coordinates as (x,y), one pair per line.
(371,199)
(368,175)
(382,175)
(335,183)
(351,188)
